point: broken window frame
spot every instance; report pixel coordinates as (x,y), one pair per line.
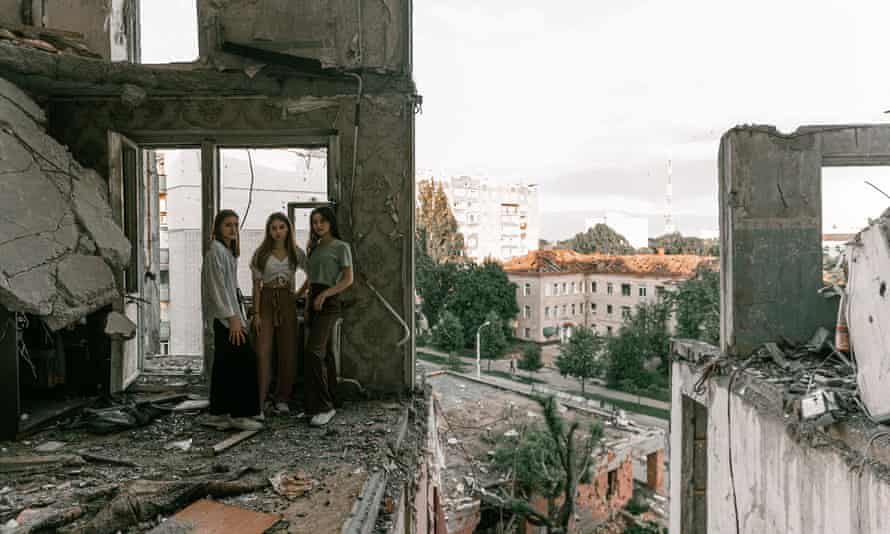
(210,143)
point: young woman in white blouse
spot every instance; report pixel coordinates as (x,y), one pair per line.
(274,267)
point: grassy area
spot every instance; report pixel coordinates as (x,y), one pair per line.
(518,377)
(627,406)
(436,359)
(662,394)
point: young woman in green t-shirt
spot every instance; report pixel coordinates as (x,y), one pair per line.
(330,273)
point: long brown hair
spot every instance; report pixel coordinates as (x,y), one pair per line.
(235,247)
(327,214)
(261,256)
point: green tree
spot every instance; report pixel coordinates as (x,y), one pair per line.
(697,306)
(580,357)
(448,334)
(478,290)
(531,358)
(677,243)
(548,462)
(643,337)
(492,341)
(434,281)
(600,239)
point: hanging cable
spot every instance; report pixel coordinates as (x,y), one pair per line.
(250,191)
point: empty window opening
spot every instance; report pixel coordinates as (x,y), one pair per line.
(168,31)
(625,290)
(177,248)
(848,202)
(694,467)
(612,484)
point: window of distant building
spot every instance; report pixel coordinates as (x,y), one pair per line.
(625,312)
(609,289)
(547,312)
(592,286)
(556,290)
(608,330)
(564,308)
(608,309)
(565,288)
(642,291)
(528,312)
(573,309)
(593,308)
(527,290)
(659,291)
(625,290)
(574,288)
(528,333)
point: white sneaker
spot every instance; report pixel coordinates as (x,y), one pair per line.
(323,418)
(261,417)
(220,422)
(282,408)
(246,423)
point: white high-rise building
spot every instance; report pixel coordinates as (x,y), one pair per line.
(497,221)
(635,229)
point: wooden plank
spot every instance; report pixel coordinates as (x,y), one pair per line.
(14,464)
(101,459)
(161,398)
(209,517)
(42,416)
(9,370)
(233,440)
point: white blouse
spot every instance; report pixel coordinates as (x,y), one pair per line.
(277,271)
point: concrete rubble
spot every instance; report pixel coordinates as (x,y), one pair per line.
(59,246)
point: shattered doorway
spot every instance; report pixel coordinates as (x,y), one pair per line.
(256,182)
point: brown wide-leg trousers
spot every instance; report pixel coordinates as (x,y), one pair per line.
(278,327)
(320,369)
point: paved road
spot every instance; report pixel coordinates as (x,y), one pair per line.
(553,379)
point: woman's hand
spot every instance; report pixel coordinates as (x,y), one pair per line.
(236,331)
(319,300)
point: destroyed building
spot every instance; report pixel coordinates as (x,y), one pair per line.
(777,430)
(80,298)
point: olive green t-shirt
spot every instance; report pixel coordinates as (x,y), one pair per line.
(327,262)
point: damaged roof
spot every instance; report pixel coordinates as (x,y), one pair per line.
(569,261)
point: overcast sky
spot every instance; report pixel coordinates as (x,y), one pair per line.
(589,98)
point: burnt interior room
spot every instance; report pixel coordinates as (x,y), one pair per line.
(83,309)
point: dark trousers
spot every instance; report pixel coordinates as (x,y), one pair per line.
(320,369)
(278,328)
(233,383)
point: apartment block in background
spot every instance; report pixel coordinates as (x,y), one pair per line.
(497,221)
(560,290)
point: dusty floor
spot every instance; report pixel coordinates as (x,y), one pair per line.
(338,457)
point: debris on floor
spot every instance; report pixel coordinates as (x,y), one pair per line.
(292,486)
(209,517)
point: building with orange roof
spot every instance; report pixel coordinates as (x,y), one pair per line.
(560,290)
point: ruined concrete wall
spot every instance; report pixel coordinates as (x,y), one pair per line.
(781,484)
(58,243)
(11,11)
(376,213)
(771,227)
(329,31)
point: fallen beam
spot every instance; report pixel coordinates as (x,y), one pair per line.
(233,440)
(100,459)
(16,464)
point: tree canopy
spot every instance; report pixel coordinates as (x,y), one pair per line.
(448,334)
(599,239)
(580,357)
(477,290)
(492,341)
(436,228)
(697,306)
(643,337)
(676,243)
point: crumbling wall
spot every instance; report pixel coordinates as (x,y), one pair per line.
(376,210)
(347,34)
(59,247)
(771,227)
(778,483)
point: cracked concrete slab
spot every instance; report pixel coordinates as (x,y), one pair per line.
(58,241)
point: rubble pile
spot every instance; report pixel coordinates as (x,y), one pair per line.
(87,475)
(59,245)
